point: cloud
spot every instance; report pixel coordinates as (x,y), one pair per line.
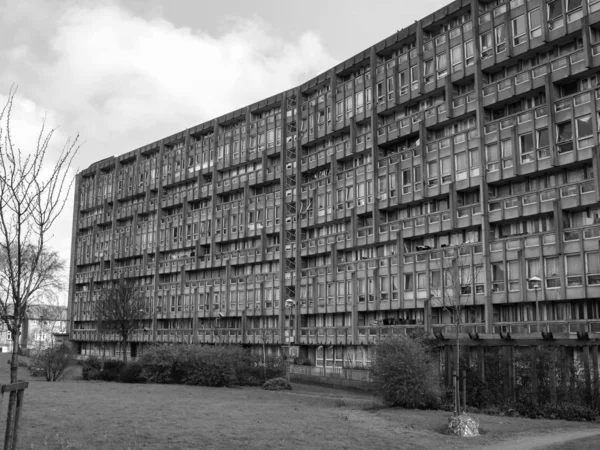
(126,80)
(122,80)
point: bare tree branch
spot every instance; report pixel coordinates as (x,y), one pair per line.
(33,192)
(120,309)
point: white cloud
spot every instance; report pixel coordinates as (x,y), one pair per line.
(123,81)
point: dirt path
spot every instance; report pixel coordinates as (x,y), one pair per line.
(545,440)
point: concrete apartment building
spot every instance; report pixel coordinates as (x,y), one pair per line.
(324,215)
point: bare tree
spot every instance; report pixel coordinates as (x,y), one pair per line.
(452,283)
(266,337)
(33,192)
(120,309)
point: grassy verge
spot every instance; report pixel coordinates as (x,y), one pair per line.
(97,415)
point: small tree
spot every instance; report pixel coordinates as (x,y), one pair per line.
(404,372)
(33,191)
(266,337)
(120,309)
(450,286)
(53,361)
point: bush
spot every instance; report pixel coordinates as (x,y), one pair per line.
(131,373)
(404,374)
(92,363)
(93,374)
(112,370)
(561,411)
(277,384)
(51,362)
(207,366)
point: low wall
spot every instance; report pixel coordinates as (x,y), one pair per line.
(347,378)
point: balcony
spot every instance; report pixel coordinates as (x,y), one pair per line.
(572,195)
(519,84)
(565,329)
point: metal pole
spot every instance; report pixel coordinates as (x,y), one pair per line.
(537,309)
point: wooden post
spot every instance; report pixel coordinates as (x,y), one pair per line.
(533,374)
(464,389)
(12,424)
(20,394)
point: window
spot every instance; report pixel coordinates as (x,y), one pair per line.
(497,277)
(360,102)
(526,147)
(574,10)
(552,271)
(592,266)
(474,161)
(514,274)
(543,141)
(417,177)
(380,94)
(403,82)
(507,153)
(456,58)
(584,131)
(564,137)
(533,270)
(500,35)
(421,281)
(535,23)
(406,181)
(460,161)
(555,14)
(414,77)
(390,88)
(469,53)
(446,170)
(432,173)
(518,30)
(574,269)
(492,157)
(441,62)
(428,70)
(486,44)
(408,281)
(349,106)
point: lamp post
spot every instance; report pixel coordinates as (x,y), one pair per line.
(535,283)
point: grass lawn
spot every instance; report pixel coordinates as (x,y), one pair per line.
(75,414)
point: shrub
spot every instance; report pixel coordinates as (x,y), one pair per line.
(561,411)
(159,363)
(92,363)
(93,374)
(51,362)
(207,365)
(277,384)
(404,374)
(131,373)
(112,370)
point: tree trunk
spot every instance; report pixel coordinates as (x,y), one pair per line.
(457,368)
(124,348)
(12,399)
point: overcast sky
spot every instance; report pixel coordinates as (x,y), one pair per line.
(122,74)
